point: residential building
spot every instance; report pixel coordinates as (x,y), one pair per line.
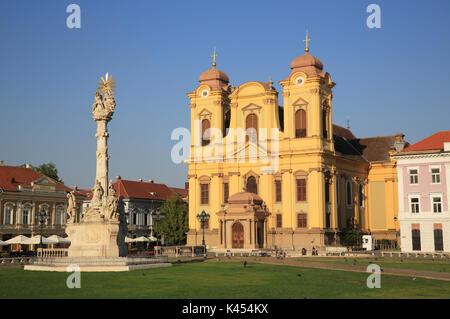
(424,194)
(24,193)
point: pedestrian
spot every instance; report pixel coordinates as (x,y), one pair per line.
(313,251)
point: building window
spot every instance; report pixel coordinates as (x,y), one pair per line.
(435,176)
(301,189)
(302,220)
(226,192)
(279,224)
(204,193)
(278,191)
(300,124)
(361,195)
(251,127)
(252,186)
(205,132)
(438,238)
(8,216)
(416,239)
(349,193)
(327,190)
(25,216)
(415,204)
(413,176)
(324,124)
(437,204)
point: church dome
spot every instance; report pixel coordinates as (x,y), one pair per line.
(213,74)
(308,64)
(306,60)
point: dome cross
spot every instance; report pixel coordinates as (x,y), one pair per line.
(306,42)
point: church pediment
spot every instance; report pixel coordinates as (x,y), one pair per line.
(300,102)
(250,151)
(252,107)
(204,114)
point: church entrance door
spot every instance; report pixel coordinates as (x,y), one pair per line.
(237,235)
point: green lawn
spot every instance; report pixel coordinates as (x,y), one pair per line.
(217,280)
(388,262)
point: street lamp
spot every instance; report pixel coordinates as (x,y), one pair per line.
(203,217)
(41,217)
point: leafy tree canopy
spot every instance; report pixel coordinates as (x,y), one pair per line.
(174,225)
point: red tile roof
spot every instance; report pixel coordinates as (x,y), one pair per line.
(183,193)
(434,142)
(143,190)
(13,176)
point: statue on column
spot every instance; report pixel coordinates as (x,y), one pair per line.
(97,194)
(71,206)
(113,201)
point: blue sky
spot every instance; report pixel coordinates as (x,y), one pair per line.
(389,80)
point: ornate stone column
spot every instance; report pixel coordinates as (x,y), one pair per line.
(102,229)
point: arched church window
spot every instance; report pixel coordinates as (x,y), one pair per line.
(300,123)
(252,186)
(205,135)
(251,127)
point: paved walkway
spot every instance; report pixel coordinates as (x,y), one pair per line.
(343,267)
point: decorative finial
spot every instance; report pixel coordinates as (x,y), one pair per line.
(214,57)
(306,42)
(348,124)
(270,82)
(106,85)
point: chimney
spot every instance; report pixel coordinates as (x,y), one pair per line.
(186,186)
(1,163)
(118,177)
(140,179)
(27,165)
(150,181)
(446,146)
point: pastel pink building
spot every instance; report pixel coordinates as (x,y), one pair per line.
(424,194)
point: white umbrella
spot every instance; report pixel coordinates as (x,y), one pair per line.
(3,243)
(151,238)
(37,240)
(59,239)
(141,239)
(21,239)
(128,240)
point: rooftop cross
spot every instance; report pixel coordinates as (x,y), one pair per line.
(306,41)
(214,57)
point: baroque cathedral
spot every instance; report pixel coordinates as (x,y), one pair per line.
(325,179)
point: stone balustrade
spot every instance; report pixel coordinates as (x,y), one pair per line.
(52,252)
(179,251)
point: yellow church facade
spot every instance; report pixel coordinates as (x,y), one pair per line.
(310,179)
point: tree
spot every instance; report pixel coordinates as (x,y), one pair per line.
(352,237)
(48,170)
(174,225)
